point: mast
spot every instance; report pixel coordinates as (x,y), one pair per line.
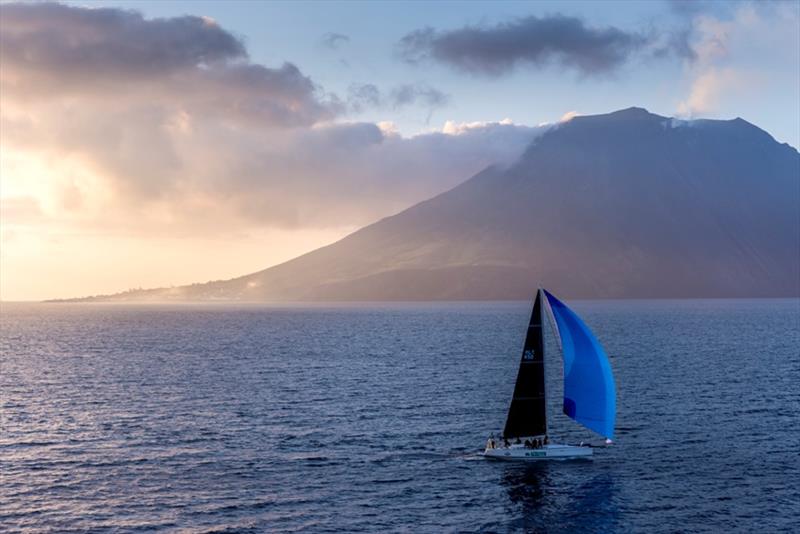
(527,415)
(543,306)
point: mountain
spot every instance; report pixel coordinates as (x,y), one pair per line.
(626,204)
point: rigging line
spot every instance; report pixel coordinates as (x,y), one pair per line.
(553,325)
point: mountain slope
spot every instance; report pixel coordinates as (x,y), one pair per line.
(627,204)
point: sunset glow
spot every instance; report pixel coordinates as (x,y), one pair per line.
(147,147)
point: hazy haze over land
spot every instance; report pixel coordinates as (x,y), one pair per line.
(155,144)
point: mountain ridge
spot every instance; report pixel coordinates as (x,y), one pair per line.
(627,204)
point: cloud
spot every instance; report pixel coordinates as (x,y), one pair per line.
(707,88)
(79,42)
(736,49)
(107,132)
(193,175)
(357,172)
(333,40)
(53,51)
(430,97)
(533,41)
(363,96)
(674,43)
(568,116)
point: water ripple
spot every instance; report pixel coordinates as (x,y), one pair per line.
(368,418)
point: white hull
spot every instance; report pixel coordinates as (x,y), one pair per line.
(548,452)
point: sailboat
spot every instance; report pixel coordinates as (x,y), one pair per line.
(589,392)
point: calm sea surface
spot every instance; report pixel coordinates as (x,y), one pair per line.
(217,418)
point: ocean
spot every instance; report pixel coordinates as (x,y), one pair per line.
(372,417)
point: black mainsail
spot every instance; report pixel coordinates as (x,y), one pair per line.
(527,415)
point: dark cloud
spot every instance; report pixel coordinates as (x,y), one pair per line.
(84,42)
(190,63)
(496,50)
(334,40)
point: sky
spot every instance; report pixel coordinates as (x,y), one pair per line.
(150,144)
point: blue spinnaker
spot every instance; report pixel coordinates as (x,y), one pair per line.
(589,394)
